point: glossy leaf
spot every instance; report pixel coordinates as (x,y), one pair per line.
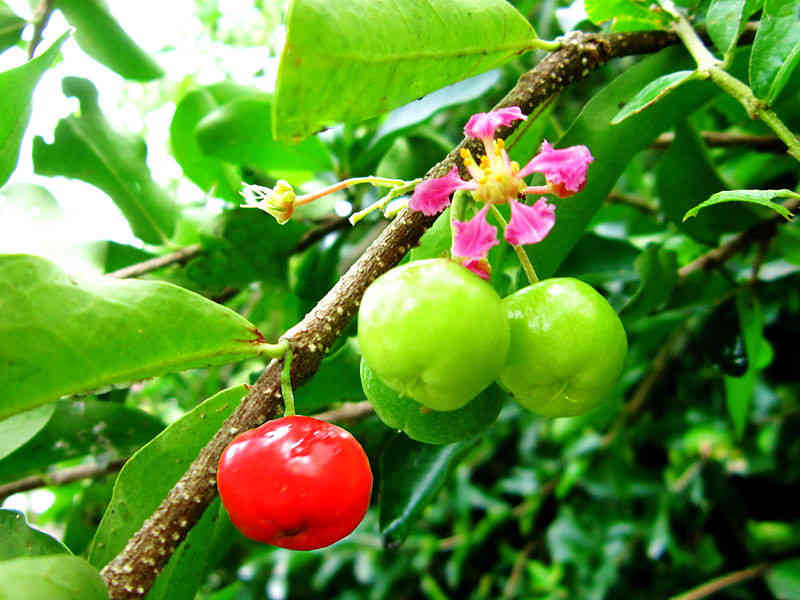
(240,132)
(783,579)
(776,49)
(212,175)
(631,14)
(20,539)
(598,258)
(101,37)
(147,477)
(11,26)
(725,20)
(86,148)
(652,93)
(52,578)
(78,428)
(15,105)
(349,61)
(17,430)
(658,272)
(412,474)
(762,197)
(96,332)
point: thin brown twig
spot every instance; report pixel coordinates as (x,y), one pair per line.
(720,583)
(643,204)
(40,20)
(153,264)
(721,139)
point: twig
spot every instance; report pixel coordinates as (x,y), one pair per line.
(516,570)
(320,231)
(153,264)
(720,139)
(41,19)
(642,204)
(60,477)
(720,583)
(133,571)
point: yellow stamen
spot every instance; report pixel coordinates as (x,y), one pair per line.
(484,162)
(500,143)
(514,167)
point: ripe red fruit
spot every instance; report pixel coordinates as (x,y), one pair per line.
(295,482)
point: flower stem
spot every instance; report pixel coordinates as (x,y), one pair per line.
(286,383)
(399,189)
(522,256)
(376,181)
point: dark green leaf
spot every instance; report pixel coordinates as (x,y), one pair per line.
(436,241)
(762,197)
(11,26)
(349,62)
(630,14)
(652,93)
(776,49)
(19,539)
(101,37)
(147,477)
(78,428)
(51,578)
(598,258)
(337,380)
(15,105)
(17,430)
(411,475)
(658,272)
(62,336)
(240,132)
(86,510)
(783,579)
(725,20)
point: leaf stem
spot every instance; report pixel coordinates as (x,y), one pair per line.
(548,45)
(286,382)
(522,256)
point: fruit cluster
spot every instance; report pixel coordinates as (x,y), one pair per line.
(434,337)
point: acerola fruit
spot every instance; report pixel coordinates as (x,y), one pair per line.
(434,332)
(295,482)
(430,426)
(567,347)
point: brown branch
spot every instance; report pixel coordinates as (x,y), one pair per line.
(637,202)
(133,571)
(719,139)
(720,583)
(40,20)
(60,477)
(179,256)
(320,231)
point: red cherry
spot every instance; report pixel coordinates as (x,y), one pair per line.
(295,482)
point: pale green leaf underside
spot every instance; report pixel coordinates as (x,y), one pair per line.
(61,336)
(762,197)
(652,93)
(20,539)
(776,48)
(724,18)
(349,61)
(57,577)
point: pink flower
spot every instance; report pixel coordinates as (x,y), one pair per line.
(433,195)
(479,266)
(564,169)
(483,125)
(472,239)
(530,224)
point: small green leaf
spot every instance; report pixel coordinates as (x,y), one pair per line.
(783,579)
(240,132)
(20,539)
(150,473)
(776,49)
(86,148)
(652,93)
(762,197)
(61,336)
(17,430)
(15,105)
(11,26)
(628,15)
(725,20)
(351,60)
(101,37)
(658,271)
(50,577)
(412,475)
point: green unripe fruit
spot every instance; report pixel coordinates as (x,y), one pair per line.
(567,347)
(430,426)
(433,331)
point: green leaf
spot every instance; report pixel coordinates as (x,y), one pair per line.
(150,473)
(725,21)
(411,475)
(240,132)
(597,259)
(652,93)
(86,148)
(337,380)
(11,26)
(212,175)
(101,37)
(15,105)
(776,49)
(658,270)
(61,336)
(762,197)
(783,579)
(79,428)
(20,539)
(17,430)
(629,14)
(349,61)
(50,577)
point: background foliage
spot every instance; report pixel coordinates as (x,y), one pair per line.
(689,472)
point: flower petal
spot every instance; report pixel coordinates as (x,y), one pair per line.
(433,195)
(479,266)
(483,125)
(530,224)
(564,169)
(473,238)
